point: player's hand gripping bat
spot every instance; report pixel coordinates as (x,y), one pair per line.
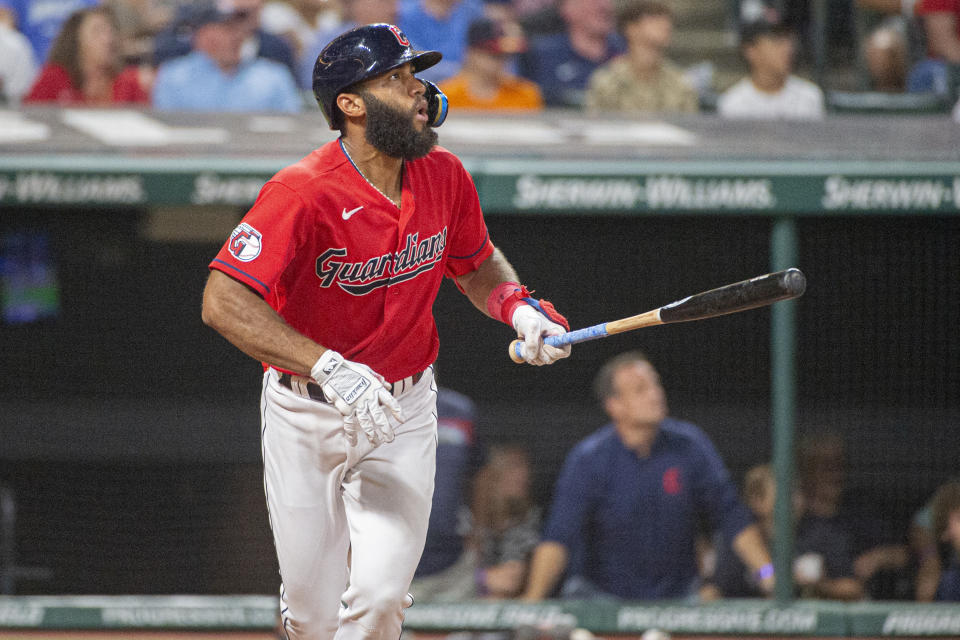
(739,296)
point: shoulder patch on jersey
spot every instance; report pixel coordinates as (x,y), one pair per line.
(245,243)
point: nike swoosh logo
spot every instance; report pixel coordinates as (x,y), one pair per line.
(347,214)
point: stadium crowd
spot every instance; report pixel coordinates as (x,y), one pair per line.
(603,56)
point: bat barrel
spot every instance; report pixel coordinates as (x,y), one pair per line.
(740,296)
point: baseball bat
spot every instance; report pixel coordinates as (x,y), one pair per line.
(740,296)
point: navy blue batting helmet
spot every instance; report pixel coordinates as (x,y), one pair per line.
(359,54)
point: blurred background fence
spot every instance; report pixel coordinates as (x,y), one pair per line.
(129,450)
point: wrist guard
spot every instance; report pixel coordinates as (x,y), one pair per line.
(507,296)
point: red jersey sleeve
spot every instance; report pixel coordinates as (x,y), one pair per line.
(469,242)
(265,241)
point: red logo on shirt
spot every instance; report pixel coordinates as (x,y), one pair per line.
(402,39)
(671,481)
(360,278)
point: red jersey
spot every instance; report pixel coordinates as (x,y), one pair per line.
(344,267)
(54,85)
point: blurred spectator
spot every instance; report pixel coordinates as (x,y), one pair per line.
(18,66)
(439,25)
(447,569)
(926,548)
(139,22)
(893,43)
(886,56)
(771,91)
(302,23)
(539,17)
(299,21)
(176,40)
(354,14)
(819,547)
(824,538)
(643,80)
(41,20)
(216,77)
(506,524)
(84,66)
(562,63)
(630,497)
(485,82)
(941,26)
(731,577)
(504,12)
(946,526)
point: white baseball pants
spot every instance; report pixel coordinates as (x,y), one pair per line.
(349,523)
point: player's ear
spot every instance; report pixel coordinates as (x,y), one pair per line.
(611,405)
(351,104)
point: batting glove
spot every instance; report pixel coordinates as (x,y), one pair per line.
(533,324)
(360,395)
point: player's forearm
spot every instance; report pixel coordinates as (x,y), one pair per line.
(248,322)
(548,564)
(478,284)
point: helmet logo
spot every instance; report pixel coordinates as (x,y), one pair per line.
(402,39)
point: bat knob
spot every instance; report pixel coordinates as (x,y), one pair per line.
(516,351)
(794,282)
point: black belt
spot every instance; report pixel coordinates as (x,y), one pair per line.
(315,391)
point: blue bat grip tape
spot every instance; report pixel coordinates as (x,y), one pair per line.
(571,337)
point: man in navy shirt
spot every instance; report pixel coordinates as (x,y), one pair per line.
(562,63)
(630,497)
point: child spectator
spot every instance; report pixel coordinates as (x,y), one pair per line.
(946,524)
(886,55)
(485,81)
(85,66)
(771,91)
(731,576)
(506,524)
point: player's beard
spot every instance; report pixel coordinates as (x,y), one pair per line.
(391,131)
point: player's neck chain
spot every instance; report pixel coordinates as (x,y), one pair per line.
(355,166)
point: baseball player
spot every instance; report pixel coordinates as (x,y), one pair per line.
(330,280)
